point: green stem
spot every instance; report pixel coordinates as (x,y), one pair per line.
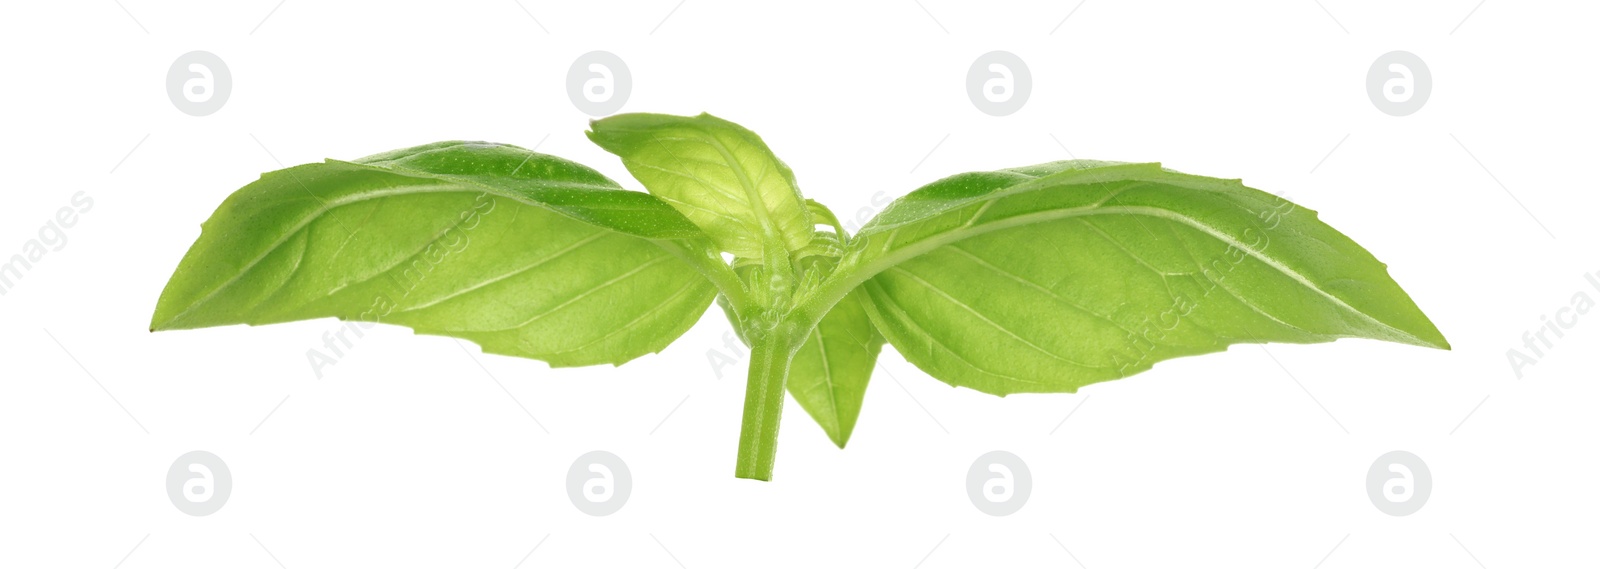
(704,258)
(770,355)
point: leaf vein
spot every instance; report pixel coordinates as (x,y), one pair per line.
(934,342)
(492,280)
(964,306)
(586,293)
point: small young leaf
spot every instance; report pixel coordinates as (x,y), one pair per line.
(829,374)
(719,174)
(1051,277)
(525,254)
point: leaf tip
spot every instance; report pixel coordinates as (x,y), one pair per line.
(1427,335)
(840,438)
(162,319)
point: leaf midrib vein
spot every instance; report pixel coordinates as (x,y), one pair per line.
(935,241)
(323,207)
(827,377)
(520,270)
(585,294)
(1036,286)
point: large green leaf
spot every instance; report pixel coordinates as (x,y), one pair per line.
(719,174)
(1051,277)
(526,254)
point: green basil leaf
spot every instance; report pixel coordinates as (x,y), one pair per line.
(1051,277)
(719,174)
(829,374)
(523,253)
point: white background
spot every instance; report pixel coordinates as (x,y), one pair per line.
(408,454)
